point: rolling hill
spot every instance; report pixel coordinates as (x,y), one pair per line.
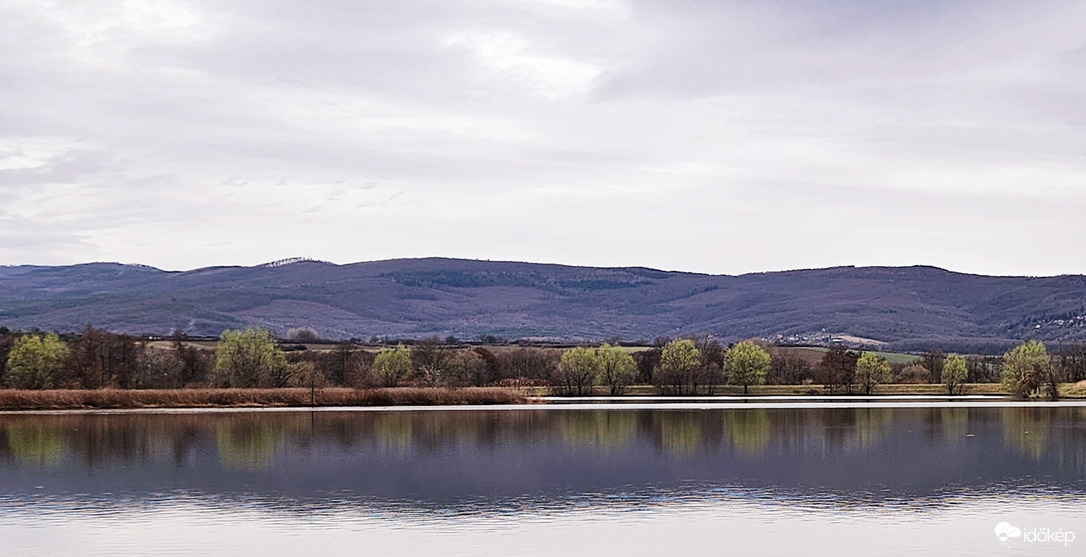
(904,307)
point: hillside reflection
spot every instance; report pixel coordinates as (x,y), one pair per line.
(449,456)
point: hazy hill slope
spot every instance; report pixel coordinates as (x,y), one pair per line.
(416,297)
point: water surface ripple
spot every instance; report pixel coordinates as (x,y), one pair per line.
(762,479)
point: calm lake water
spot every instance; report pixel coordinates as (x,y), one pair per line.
(617,480)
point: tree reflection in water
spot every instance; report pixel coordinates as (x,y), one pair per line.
(605,430)
(35,445)
(248,442)
(509,453)
(748,431)
(678,433)
(1026,429)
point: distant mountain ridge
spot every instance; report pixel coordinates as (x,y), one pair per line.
(905,307)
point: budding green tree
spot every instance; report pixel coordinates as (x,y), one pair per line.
(249,358)
(679,360)
(578,369)
(955,372)
(617,369)
(871,370)
(746,364)
(1025,368)
(392,365)
(34,361)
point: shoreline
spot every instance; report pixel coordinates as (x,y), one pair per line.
(568,407)
(415,398)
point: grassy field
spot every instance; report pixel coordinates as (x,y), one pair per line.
(1067,390)
(764,390)
(814,353)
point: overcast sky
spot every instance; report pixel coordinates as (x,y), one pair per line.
(710,136)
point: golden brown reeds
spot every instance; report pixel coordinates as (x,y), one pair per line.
(241,398)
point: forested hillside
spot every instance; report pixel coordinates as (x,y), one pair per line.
(907,307)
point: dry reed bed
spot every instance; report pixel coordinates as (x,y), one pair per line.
(241,398)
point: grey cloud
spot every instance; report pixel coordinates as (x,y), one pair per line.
(66,167)
(514,129)
(730,47)
(24,241)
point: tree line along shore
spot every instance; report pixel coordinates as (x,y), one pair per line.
(251,367)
